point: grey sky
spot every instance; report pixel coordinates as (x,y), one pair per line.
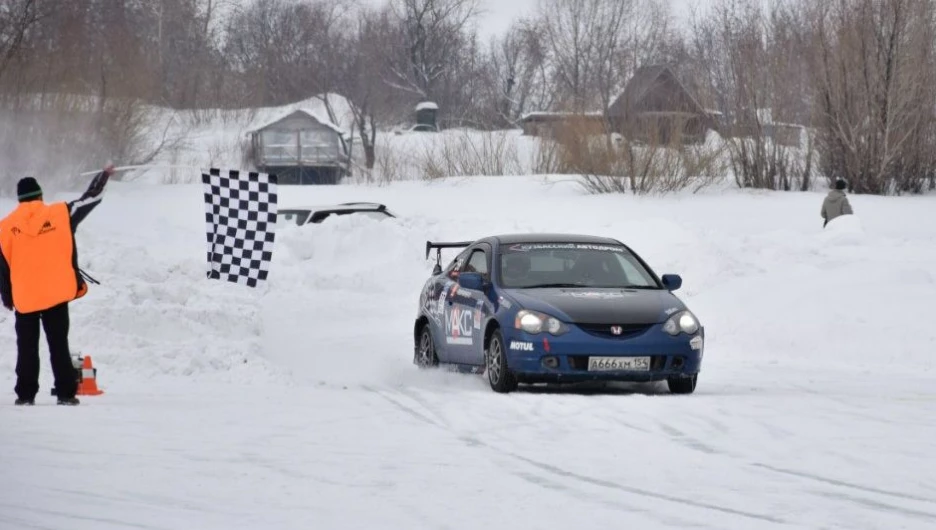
(500,13)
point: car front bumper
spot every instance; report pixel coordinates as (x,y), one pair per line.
(547,358)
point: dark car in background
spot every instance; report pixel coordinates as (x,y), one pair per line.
(317,214)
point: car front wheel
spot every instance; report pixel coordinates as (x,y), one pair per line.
(500,377)
(682,385)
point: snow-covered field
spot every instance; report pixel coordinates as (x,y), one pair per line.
(296,405)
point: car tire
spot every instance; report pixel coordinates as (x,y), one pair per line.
(500,377)
(425,353)
(682,385)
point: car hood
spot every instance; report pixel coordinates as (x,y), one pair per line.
(600,306)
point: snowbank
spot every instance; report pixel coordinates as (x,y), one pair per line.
(846,229)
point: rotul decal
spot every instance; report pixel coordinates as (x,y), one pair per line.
(521,345)
(458,326)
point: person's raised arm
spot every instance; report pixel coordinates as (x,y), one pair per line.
(79,208)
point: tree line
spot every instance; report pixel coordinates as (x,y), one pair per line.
(859,74)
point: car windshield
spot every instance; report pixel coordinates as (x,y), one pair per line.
(534,265)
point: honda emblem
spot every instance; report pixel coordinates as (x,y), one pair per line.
(616,330)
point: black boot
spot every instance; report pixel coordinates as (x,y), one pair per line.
(21,401)
(68,401)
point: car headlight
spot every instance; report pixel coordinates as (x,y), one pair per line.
(534,322)
(681,322)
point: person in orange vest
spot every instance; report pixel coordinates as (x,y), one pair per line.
(39,276)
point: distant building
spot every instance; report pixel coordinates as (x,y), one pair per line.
(301,148)
(427,115)
(656,107)
(763,125)
(549,124)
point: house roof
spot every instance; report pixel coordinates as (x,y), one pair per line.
(306,112)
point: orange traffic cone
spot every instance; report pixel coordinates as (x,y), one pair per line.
(88,384)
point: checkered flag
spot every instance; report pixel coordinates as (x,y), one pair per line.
(240,217)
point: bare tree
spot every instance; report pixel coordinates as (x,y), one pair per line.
(518,76)
(363,78)
(594,45)
(749,57)
(17,17)
(874,75)
(431,38)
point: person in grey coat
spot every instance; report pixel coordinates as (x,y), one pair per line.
(835,203)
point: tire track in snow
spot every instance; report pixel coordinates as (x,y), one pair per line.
(877,505)
(844,484)
(531,478)
(73,516)
(557,471)
(23,523)
(688,441)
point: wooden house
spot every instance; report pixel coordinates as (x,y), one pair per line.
(656,107)
(301,148)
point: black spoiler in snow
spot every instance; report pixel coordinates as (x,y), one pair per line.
(440,245)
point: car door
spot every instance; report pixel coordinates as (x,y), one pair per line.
(467,313)
(439,308)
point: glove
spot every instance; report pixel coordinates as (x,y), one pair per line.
(100,180)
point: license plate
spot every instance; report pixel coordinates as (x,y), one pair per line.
(606,364)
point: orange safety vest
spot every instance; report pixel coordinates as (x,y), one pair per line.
(39,246)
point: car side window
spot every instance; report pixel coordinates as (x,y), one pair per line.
(633,274)
(477,262)
(452,270)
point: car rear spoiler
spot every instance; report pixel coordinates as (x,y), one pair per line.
(438,248)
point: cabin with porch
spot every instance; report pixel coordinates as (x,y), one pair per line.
(301,148)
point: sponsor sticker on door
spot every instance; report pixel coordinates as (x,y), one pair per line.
(458,326)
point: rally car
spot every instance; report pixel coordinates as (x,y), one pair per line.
(556,308)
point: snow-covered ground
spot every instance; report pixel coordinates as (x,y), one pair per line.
(296,405)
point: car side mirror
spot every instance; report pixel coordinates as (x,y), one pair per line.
(471,280)
(672,282)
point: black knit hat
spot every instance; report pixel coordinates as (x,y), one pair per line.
(840,184)
(28,189)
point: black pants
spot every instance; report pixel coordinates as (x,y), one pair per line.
(55,323)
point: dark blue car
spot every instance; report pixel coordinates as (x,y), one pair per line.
(554,308)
